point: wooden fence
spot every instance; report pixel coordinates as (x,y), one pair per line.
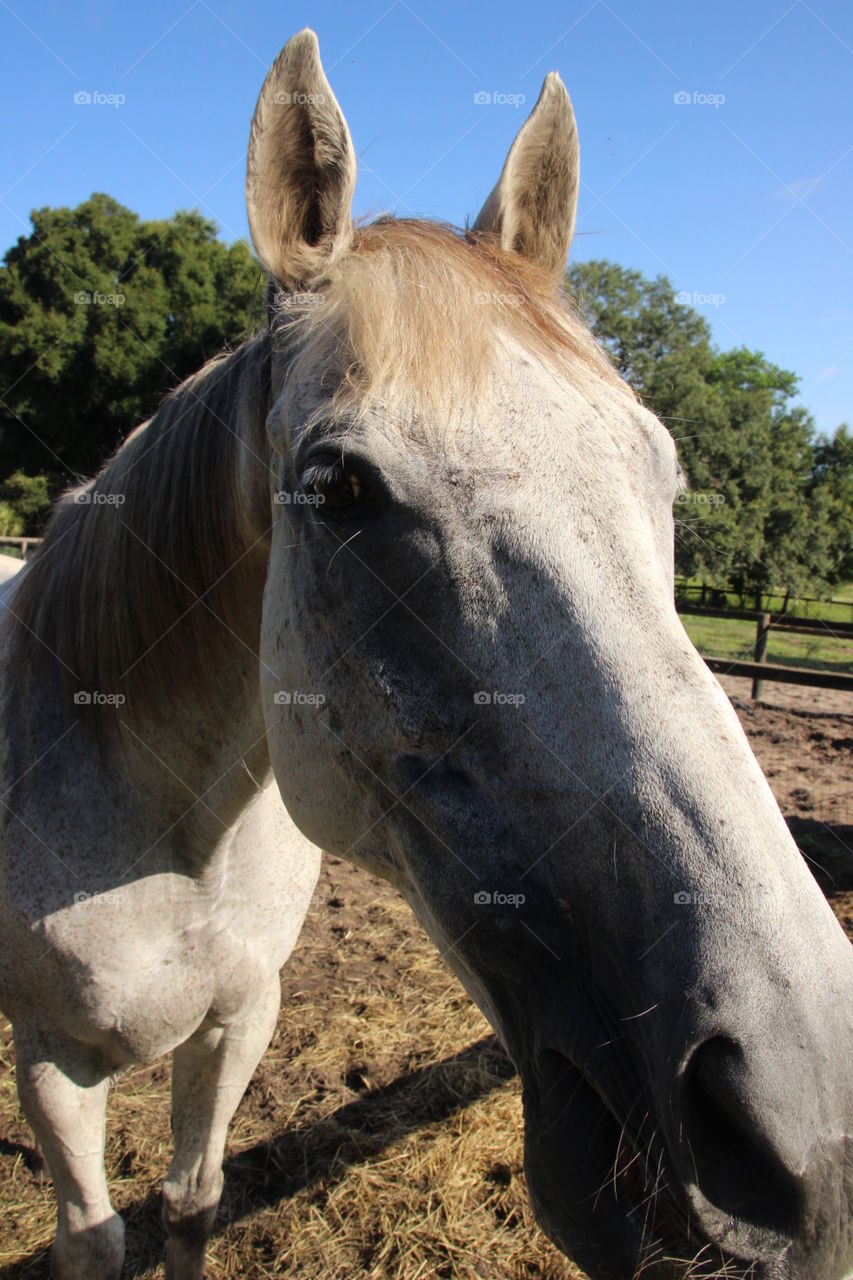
(759,669)
(22,544)
(790,604)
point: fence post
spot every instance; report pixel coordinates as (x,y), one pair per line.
(761,629)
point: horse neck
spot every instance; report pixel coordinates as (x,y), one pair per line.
(148,589)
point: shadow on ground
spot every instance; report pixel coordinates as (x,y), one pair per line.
(320,1152)
(828,851)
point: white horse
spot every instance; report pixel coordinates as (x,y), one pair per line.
(404,561)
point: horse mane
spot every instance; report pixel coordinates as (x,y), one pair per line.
(145,548)
(143,574)
(417,315)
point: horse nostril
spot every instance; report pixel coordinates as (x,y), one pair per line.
(739,1175)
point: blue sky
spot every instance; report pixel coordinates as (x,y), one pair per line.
(742,194)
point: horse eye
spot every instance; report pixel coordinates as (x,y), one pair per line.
(334,487)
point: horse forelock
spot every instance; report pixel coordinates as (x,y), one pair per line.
(418,313)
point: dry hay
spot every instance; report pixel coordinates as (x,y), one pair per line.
(380,1137)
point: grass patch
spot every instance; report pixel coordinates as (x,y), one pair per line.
(837,609)
(734,638)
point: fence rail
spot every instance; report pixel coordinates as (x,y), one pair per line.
(789,603)
(778,621)
(759,669)
(23,544)
(758,672)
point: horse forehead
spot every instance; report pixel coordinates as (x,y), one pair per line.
(532,420)
(533,431)
(575,407)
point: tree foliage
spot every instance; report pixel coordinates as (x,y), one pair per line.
(832,485)
(759,512)
(24,502)
(101,314)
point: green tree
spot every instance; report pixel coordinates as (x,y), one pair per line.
(832,489)
(751,518)
(100,314)
(659,344)
(24,502)
(777,537)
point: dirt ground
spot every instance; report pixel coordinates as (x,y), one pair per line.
(381,1135)
(803,739)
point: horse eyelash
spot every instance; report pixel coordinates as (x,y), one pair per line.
(321,471)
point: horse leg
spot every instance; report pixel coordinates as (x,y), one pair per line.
(209,1077)
(63,1087)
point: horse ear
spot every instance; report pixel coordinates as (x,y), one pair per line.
(532,209)
(300,174)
